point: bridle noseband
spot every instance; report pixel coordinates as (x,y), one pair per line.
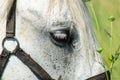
(40,73)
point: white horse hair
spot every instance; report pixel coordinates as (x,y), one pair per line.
(34,19)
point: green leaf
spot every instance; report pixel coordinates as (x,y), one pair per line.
(107,33)
(110,59)
(117,53)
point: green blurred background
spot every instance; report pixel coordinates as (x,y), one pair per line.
(103,10)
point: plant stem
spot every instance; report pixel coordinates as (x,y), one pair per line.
(106,73)
(111,67)
(98,32)
(111,39)
(96,20)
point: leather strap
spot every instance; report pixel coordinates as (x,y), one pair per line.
(35,67)
(102,76)
(24,57)
(10,32)
(4,57)
(10,26)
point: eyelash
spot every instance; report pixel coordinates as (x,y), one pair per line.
(61,37)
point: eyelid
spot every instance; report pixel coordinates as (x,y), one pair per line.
(59,29)
(62,34)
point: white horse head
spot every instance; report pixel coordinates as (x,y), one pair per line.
(57,34)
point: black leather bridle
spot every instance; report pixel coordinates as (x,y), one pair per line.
(22,55)
(18,52)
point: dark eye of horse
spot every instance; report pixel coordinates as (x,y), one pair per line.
(61,37)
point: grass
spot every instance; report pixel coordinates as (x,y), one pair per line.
(103,9)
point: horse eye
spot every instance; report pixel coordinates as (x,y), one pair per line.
(61,37)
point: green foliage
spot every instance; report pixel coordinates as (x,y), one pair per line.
(107,34)
(113,59)
(115,56)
